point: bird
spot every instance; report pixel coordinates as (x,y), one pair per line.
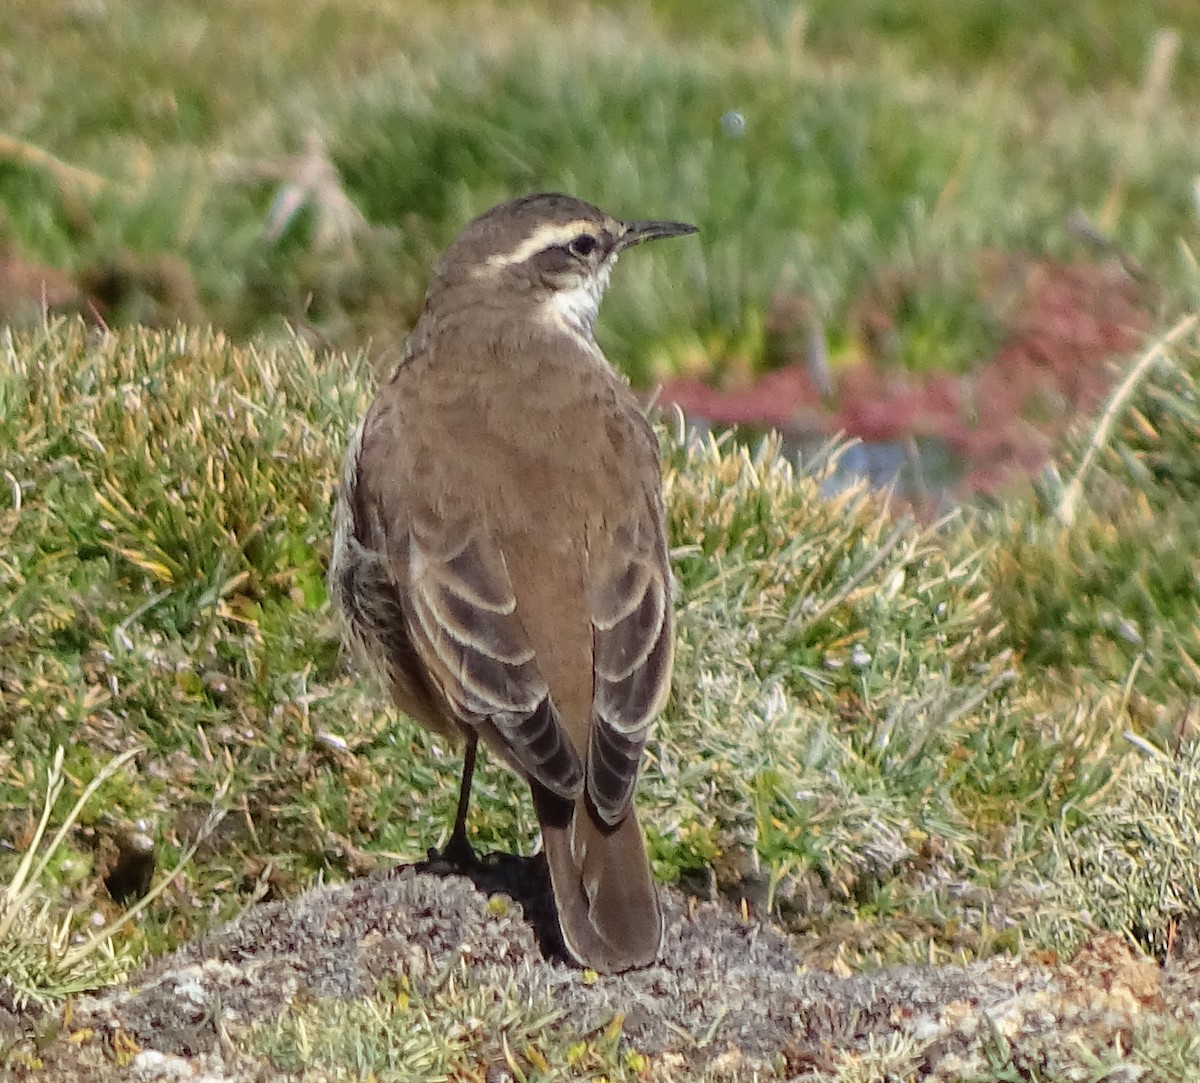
(500,556)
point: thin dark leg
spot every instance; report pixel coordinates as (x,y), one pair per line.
(458,849)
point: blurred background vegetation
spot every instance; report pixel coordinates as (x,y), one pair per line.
(250,163)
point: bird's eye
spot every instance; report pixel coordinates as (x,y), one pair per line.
(583,245)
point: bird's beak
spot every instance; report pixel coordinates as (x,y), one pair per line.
(636,232)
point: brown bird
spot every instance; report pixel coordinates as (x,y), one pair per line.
(500,556)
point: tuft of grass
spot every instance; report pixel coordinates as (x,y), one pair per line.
(1153,1048)
(1111,594)
(39,962)
(165,541)
(455,1027)
(850,740)
(1133,863)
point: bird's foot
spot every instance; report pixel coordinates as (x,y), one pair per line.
(456,856)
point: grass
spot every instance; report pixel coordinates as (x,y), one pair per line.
(455,1028)
(1132,555)
(860,731)
(40,965)
(860,740)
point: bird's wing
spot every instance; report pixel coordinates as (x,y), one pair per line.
(629,581)
(464,625)
(464,638)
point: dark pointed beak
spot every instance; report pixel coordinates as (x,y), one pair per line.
(637,232)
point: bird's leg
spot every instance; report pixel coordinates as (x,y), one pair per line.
(458,848)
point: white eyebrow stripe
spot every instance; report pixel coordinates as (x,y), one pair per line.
(545,237)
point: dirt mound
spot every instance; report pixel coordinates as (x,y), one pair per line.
(729,996)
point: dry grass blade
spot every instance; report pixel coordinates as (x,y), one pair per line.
(36,963)
(25,884)
(15,894)
(1158,351)
(67,177)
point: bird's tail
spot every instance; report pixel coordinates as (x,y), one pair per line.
(607,900)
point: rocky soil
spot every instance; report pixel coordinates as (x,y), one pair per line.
(729,998)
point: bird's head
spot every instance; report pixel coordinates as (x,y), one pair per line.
(549,251)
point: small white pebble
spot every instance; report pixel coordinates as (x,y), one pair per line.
(191,988)
(151,1064)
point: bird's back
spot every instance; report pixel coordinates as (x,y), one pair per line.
(548,490)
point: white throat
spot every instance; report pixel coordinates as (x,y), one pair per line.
(576,308)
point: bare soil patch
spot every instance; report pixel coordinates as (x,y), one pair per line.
(730,997)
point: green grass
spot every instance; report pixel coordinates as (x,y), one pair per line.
(859,741)
(1133,558)
(454,1028)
